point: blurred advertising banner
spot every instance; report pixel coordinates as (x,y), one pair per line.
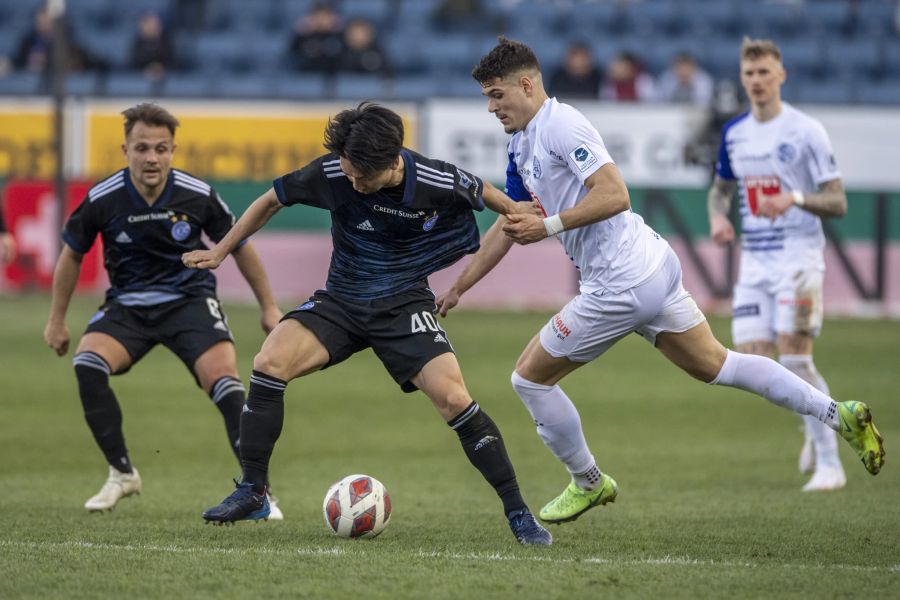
(650,143)
(226,142)
(30,210)
(26,140)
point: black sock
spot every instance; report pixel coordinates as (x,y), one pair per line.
(261,425)
(228,396)
(101,409)
(484,446)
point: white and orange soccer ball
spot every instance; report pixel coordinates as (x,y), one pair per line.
(357,506)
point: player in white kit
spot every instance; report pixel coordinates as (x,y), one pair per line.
(630,282)
(783,164)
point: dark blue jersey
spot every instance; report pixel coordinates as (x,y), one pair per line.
(391,240)
(143,244)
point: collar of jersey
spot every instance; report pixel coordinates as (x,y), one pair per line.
(139,200)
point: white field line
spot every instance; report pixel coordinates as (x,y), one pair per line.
(679,561)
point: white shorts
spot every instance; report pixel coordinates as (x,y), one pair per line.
(590,324)
(790,304)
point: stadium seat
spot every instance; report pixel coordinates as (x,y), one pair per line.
(876,18)
(22,84)
(886,93)
(225,52)
(829,91)
(719,19)
(376,11)
(133,85)
(416,87)
(856,56)
(187,85)
(359,87)
(767,20)
(300,86)
(245,85)
(828,17)
(83,84)
(448,53)
(659,19)
(403,60)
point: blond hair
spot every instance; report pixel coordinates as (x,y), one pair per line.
(755,49)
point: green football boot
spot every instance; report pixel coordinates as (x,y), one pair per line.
(859,431)
(574,500)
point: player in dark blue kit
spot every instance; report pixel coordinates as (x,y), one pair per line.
(148,215)
(397,217)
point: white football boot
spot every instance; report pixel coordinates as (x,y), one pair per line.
(825,478)
(117,486)
(275,513)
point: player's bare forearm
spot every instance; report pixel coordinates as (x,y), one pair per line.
(250,266)
(829,201)
(494,246)
(496,200)
(256,215)
(607,197)
(65,276)
(718,200)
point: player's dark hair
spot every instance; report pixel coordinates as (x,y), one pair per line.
(506,58)
(369,136)
(752,49)
(149,114)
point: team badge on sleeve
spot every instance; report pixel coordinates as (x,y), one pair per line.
(583,158)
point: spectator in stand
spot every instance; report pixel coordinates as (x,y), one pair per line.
(152,51)
(685,82)
(362,52)
(35,49)
(627,81)
(317,44)
(577,76)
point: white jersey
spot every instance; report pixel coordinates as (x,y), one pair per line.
(548,162)
(788,153)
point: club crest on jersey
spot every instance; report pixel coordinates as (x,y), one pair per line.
(536,167)
(181,231)
(429,224)
(786,153)
(583,158)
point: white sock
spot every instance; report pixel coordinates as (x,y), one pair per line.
(824,438)
(765,377)
(559,426)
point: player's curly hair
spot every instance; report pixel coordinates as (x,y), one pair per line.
(370,136)
(506,58)
(149,114)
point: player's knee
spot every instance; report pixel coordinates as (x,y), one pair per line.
(91,369)
(270,364)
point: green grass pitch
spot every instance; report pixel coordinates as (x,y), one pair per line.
(709,505)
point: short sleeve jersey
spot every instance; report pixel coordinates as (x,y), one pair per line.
(391,240)
(142,243)
(549,161)
(790,152)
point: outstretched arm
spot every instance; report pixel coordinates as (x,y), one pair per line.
(607,196)
(251,268)
(718,205)
(257,215)
(65,276)
(829,201)
(494,246)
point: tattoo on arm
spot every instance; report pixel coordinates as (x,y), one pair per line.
(718,201)
(829,201)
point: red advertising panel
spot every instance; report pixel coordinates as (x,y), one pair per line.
(30,208)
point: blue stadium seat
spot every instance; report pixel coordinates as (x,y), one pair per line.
(133,85)
(886,93)
(82,84)
(653,18)
(243,16)
(586,21)
(529,20)
(443,53)
(306,86)
(112,46)
(876,18)
(417,87)
(402,51)
(767,20)
(413,17)
(828,17)
(187,85)
(856,56)
(222,52)
(804,57)
(719,19)
(22,84)
(359,87)
(829,91)
(246,85)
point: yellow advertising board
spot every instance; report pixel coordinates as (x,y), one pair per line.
(26,141)
(255,143)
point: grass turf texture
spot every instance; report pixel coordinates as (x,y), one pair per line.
(709,505)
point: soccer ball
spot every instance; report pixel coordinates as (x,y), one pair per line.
(357,506)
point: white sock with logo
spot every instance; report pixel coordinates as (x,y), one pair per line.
(824,438)
(559,426)
(765,377)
